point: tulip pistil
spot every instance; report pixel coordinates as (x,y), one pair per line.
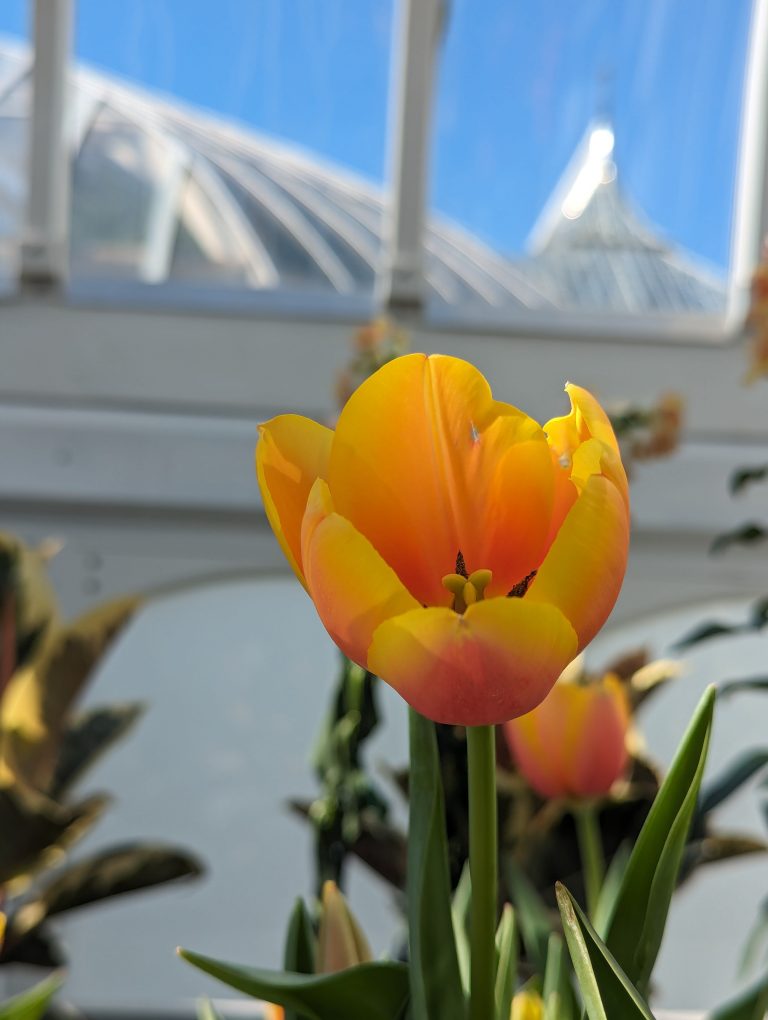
(467,588)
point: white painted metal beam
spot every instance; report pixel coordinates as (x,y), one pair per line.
(750,218)
(401,281)
(44,242)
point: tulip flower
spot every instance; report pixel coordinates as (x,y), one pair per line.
(451,544)
(341,943)
(574,743)
(527,1005)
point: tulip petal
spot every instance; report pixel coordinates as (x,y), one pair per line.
(496,661)
(587,420)
(291,453)
(601,752)
(573,743)
(427,464)
(584,568)
(352,587)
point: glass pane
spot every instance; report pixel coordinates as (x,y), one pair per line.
(590,152)
(15,97)
(232,144)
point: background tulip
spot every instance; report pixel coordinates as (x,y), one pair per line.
(450,543)
(574,743)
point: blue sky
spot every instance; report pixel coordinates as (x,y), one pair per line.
(518,83)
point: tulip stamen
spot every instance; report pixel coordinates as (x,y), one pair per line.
(467,590)
(461,567)
(518,590)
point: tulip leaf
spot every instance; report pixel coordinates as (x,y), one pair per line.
(205,1010)
(756,938)
(640,912)
(733,776)
(506,966)
(436,989)
(31,1005)
(607,991)
(300,942)
(377,991)
(557,994)
(532,914)
(609,890)
(743,477)
(751,1004)
(460,907)
(300,948)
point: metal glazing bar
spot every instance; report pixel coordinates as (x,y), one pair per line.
(400,285)
(750,219)
(44,242)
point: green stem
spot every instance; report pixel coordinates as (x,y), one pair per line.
(591,850)
(481,753)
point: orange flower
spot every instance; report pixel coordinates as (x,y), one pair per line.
(574,743)
(451,544)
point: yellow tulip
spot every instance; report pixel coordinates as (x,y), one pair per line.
(574,743)
(451,544)
(527,1005)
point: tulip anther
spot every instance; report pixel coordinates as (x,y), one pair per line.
(521,587)
(461,567)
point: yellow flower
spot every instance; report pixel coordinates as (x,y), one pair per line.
(451,544)
(527,1005)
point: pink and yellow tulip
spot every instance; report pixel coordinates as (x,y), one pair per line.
(451,544)
(574,743)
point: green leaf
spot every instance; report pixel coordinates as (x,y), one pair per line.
(112,872)
(206,1011)
(300,948)
(377,991)
(436,989)
(35,829)
(32,1004)
(752,1004)
(39,699)
(747,683)
(90,735)
(460,907)
(609,891)
(735,774)
(757,937)
(532,915)
(706,632)
(746,534)
(506,965)
(607,991)
(636,929)
(743,477)
(557,994)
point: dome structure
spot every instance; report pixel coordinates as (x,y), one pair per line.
(166,194)
(594,251)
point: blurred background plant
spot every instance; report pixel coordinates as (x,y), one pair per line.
(46,747)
